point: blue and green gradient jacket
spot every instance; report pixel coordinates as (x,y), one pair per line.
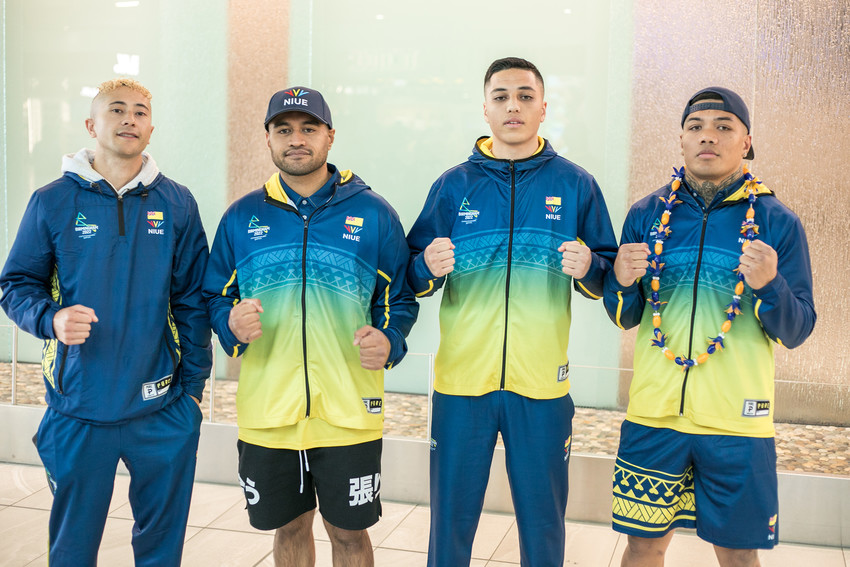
(732,392)
(319,279)
(505,312)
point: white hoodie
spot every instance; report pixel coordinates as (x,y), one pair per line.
(81,164)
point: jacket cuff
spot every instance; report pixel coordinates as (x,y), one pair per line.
(773,290)
(398,346)
(228,341)
(195,388)
(45,326)
(611,285)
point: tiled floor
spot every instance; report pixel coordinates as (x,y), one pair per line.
(219,534)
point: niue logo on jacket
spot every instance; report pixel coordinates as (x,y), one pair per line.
(352,225)
(256,230)
(553,205)
(156,220)
(467,215)
(83,229)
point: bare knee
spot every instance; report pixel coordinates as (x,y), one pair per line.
(354,542)
(737,557)
(646,551)
(296,533)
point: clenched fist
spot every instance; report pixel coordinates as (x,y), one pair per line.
(374,347)
(244,320)
(72,325)
(575,259)
(440,256)
(631,262)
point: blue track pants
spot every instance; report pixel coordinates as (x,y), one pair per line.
(537,437)
(159,450)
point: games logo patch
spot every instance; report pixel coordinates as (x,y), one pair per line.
(83,229)
(467,215)
(256,230)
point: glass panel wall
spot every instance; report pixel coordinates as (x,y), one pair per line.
(404,83)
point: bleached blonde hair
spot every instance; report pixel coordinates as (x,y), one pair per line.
(112,84)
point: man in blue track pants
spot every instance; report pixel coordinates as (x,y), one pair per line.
(107,268)
(508,235)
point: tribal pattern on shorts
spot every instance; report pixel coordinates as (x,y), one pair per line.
(652,502)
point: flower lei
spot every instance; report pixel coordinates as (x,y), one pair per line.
(748,228)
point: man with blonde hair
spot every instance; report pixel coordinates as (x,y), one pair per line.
(107,269)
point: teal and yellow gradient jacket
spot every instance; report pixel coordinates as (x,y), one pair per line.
(732,392)
(505,312)
(136,256)
(319,278)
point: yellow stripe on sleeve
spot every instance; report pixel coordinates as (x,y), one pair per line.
(619,309)
(587,291)
(386,299)
(227,285)
(430,287)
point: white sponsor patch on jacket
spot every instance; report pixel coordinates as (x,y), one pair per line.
(563,372)
(756,408)
(151,390)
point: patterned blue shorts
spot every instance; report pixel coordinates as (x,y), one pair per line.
(723,485)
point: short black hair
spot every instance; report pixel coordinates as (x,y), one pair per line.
(511,63)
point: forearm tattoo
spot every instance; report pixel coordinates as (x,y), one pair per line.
(706,189)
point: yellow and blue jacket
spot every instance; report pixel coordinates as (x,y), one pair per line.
(320,277)
(136,256)
(505,311)
(732,392)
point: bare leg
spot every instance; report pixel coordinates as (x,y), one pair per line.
(737,557)
(293,543)
(646,551)
(350,548)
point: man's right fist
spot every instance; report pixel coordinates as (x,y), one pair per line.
(244,320)
(440,256)
(72,325)
(631,262)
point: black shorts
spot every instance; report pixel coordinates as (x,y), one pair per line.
(282,484)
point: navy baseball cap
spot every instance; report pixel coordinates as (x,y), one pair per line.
(299,99)
(731,102)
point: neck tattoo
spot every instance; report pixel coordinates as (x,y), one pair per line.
(706,189)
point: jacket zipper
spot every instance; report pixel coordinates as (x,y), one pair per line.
(304,310)
(306,221)
(120,215)
(693,308)
(508,280)
(168,343)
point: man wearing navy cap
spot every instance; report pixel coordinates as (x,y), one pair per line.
(715,270)
(306,283)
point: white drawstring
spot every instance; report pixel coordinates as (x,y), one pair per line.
(302,466)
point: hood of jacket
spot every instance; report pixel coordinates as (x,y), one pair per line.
(347,185)
(80,164)
(500,169)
